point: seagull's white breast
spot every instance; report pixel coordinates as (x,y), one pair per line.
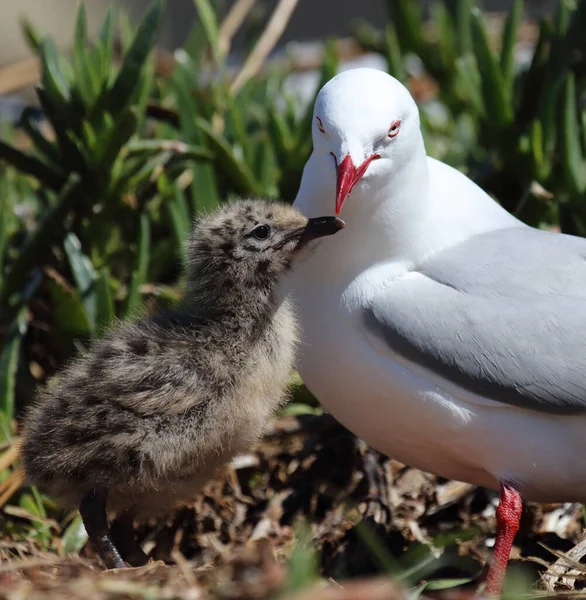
(402,409)
(421,420)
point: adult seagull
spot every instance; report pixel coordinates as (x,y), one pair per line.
(437,327)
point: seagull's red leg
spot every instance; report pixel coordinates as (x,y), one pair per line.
(508,515)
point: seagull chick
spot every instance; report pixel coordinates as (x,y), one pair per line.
(159,404)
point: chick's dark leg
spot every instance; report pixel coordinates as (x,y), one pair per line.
(93,513)
(123,536)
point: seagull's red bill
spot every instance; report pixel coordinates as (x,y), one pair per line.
(348,176)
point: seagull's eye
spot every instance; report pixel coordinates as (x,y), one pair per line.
(320,125)
(394,129)
(261,232)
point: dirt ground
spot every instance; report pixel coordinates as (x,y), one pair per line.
(311,506)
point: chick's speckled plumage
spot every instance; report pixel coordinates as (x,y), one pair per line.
(159,404)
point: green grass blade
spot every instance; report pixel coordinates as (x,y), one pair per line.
(266,169)
(510,31)
(551,99)
(496,95)
(571,152)
(145,87)
(541,165)
(33,505)
(140,272)
(179,218)
(31,165)
(241,135)
(110,147)
(534,79)
(125,30)
(68,309)
(106,44)
(378,549)
(281,137)
(105,311)
(468,77)
(447,47)
(195,44)
(236,171)
(62,121)
(39,241)
(32,37)
(43,146)
(409,23)
(53,78)
(583,119)
(204,188)
(86,80)
(5,214)
(303,564)
(369,38)
(209,22)
(205,196)
(444,584)
(394,54)
(140,172)
(75,537)
(462,20)
(562,16)
(9,357)
(134,62)
(187,106)
(84,275)
(328,70)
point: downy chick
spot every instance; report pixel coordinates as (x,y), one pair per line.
(157,405)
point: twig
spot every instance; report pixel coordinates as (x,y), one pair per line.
(10,485)
(232,23)
(185,568)
(565,564)
(21,513)
(452,492)
(265,44)
(9,457)
(34,563)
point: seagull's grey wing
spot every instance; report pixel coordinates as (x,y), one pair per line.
(502,315)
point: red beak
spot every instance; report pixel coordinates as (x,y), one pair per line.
(348,177)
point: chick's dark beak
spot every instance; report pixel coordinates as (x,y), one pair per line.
(320,227)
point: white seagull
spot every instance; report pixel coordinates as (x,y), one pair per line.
(437,327)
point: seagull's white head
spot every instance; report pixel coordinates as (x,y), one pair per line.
(368,123)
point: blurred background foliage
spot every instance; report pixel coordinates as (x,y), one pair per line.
(95,204)
(507,127)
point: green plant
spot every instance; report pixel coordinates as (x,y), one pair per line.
(260,150)
(94,173)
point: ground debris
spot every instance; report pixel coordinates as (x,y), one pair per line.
(366,515)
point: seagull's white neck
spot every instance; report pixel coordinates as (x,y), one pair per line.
(382,222)
(401,221)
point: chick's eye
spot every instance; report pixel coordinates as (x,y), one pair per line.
(261,232)
(320,125)
(394,129)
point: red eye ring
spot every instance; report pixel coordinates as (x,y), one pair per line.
(320,125)
(394,129)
